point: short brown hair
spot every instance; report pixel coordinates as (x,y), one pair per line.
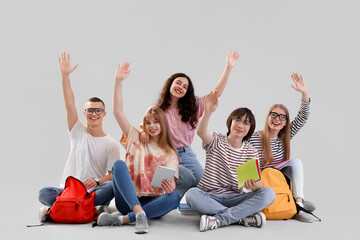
(239,113)
(96,99)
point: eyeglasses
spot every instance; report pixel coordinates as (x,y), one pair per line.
(246,123)
(274,115)
(98,111)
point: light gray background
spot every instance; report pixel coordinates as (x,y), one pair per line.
(318,39)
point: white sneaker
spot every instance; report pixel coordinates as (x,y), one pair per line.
(208,223)
(141,225)
(256,220)
(42,214)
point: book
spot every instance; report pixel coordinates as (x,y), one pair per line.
(185,209)
(280,164)
(162,173)
(248,170)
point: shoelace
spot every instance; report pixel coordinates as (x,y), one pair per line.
(141,220)
(250,220)
(212,223)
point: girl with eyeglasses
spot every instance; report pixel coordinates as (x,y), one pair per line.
(273,144)
(135,198)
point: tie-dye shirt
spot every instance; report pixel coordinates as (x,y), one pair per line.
(142,162)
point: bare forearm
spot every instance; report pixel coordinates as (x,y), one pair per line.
(202,129)
(118,109)
(220,86)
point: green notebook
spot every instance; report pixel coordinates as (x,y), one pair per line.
(248,170)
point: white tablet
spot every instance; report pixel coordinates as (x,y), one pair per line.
(162,173)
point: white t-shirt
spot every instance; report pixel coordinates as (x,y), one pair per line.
(90,157)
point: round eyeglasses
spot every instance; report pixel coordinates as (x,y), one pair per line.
(246,123)
(274,115)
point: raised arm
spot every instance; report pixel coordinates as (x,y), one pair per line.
(211,103)
(231,59)
(121,74)
(66,69)
(300,86)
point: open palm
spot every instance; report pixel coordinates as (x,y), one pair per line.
(65,64)
(232,58)
(300,85)
(123,71)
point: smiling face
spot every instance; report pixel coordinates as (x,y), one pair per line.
(93,119)
(275,124)
(152,126)
(240,127)
(179,87)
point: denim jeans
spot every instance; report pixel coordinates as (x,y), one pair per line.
(294,170)
(126,198)
(230,208)
(103,194)
(188,159)
(185,182)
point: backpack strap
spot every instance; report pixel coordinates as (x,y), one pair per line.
(299,208)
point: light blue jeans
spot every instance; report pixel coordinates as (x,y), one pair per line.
(188,159)
(294,170)
(103,194)
(126,198)
(230,208)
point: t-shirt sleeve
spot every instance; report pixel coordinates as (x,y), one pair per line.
(200,102)
(113,155)
(133,136)
(77,130)
(213,143)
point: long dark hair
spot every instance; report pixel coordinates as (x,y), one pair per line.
(187,104)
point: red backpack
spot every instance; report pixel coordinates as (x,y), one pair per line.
(74,204)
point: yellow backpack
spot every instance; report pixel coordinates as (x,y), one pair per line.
(284,206)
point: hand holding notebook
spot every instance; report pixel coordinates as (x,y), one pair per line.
(248,170)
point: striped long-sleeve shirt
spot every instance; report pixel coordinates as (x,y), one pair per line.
(221,162)
(277,147)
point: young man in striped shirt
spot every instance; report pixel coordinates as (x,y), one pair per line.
(217,194)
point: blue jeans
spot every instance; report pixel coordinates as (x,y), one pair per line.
(229,208)
(126,198)
(185,182)
(188,159)
(103,194)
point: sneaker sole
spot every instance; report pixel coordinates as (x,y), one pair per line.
(262,219)
(141,231)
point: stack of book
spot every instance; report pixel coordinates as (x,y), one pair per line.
(185,209)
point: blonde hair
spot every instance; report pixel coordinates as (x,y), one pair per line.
(284,136)
(165,140)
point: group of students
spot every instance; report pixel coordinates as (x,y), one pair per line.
(164,138)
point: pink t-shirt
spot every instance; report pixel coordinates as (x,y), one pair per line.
(182,134)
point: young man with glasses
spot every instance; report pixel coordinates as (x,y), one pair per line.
(92,150)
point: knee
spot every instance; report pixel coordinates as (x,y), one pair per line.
(117,166)
(268,195)
(186,176)
(190,195)
(175,198)
(46,196)
(296,163)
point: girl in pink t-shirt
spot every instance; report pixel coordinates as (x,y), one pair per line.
(183,111)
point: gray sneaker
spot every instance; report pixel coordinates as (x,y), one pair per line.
(303,217)
(141,225)
(309,206)
(102,208)
(106,219)
(256,220)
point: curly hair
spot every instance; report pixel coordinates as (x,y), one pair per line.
(187,104)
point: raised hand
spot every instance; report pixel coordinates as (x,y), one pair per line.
(300,85)
(211,102)
(65,65)
(232,58)
(122,71)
